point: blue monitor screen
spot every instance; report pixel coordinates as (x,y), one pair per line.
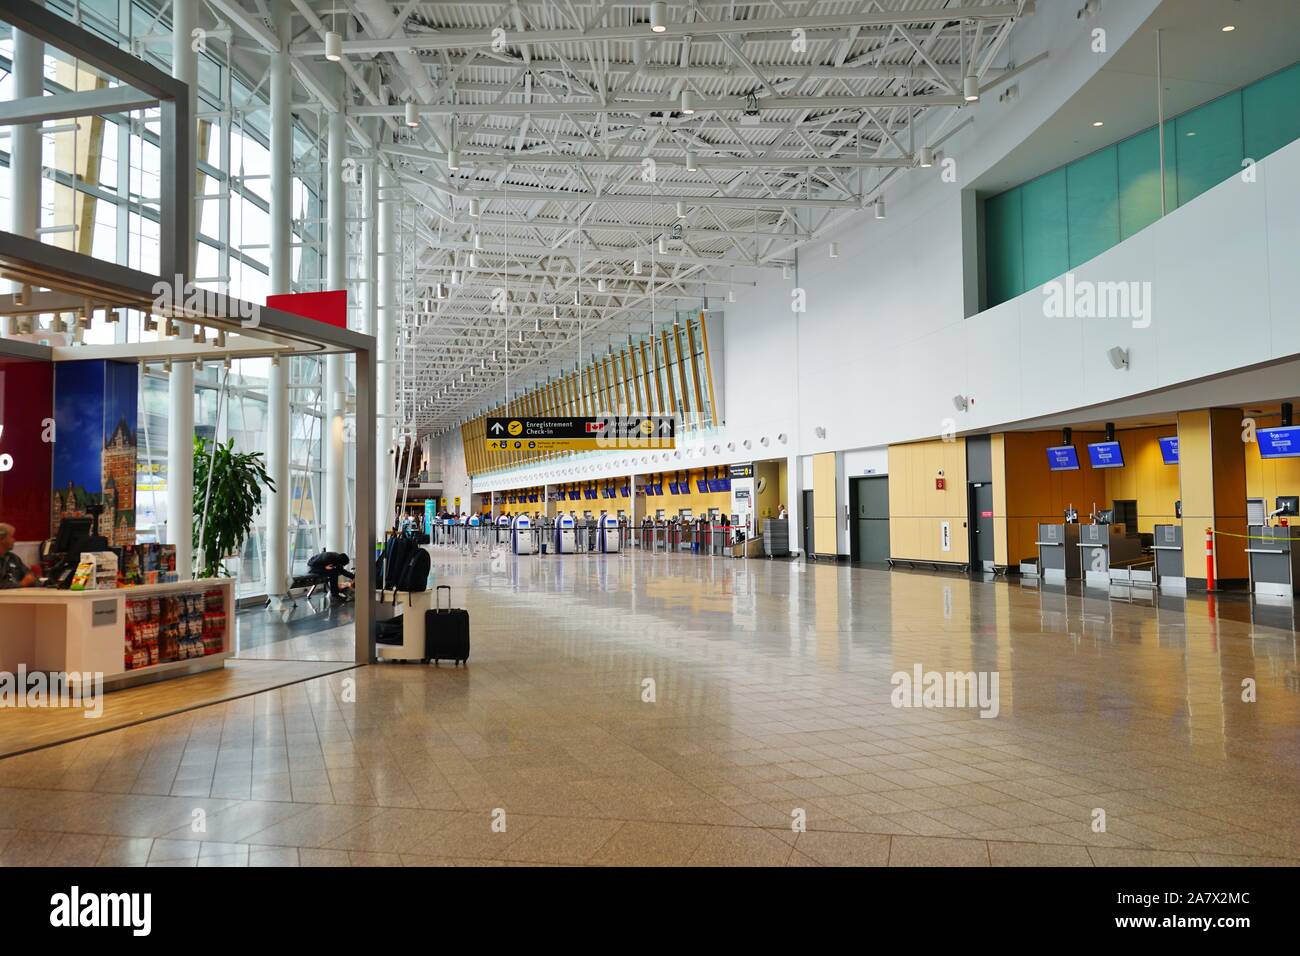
(1062,458)
(701,485)
(1106,454)
(1169,450)
(1280,442)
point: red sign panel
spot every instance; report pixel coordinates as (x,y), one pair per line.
(26,435)
(328,307)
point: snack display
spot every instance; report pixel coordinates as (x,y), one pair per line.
(174,627)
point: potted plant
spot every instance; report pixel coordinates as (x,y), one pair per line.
(234,482)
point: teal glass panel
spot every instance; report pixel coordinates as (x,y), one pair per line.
(1092,190)
(1271,112)
(1138,162)
(1209,146)
(1046,229)
(1003,249)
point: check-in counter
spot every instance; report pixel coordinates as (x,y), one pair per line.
(1103,546)
(1171,574)
(1058,552)
(1274,561)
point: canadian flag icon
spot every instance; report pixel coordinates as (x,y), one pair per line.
(595,426)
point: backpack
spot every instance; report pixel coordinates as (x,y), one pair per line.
(403,566)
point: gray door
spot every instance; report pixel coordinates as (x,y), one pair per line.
(981,523)
(872,519)
(808,524)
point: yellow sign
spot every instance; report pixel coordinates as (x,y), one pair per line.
(575,444)
(458,501)
(515,428)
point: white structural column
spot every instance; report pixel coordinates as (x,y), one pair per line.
(336,207)
(25,146)
(386,360)
(277,392)
(180,384)
(369,246)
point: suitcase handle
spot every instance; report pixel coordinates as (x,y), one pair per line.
(438,597)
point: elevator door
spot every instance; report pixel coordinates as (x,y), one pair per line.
(871,517)
(981,525)
(807,517)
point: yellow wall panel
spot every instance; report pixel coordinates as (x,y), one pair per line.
(917,510)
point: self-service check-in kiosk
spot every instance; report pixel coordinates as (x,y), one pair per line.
(523,537)
(1167,542)
(1104,546)
(1059,552)
(566,535)
(503,529)
(611,538)
(1274,553)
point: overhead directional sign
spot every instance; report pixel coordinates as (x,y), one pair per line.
(581,434)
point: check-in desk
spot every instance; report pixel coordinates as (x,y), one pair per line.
(1171,574)
(1103,546)
(1058,552)
(1274,561)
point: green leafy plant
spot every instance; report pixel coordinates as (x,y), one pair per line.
(236,494)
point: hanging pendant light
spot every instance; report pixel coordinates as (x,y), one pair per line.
(658,16)
(412,115)
(333,46)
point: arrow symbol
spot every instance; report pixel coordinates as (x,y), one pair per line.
(496,428)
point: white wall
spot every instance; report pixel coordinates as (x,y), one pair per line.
(885,343)
(455,478)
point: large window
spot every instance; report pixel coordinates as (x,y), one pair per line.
(100,194)
(1049,225)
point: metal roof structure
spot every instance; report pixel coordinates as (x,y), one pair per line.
(563,167)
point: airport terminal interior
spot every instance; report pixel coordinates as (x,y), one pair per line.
(625,433)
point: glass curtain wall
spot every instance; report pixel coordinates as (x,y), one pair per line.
(100,197)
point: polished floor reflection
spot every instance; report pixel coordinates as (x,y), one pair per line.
(678,710)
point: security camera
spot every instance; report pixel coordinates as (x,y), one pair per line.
(960,402)
(1118,358)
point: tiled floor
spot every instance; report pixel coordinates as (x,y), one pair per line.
(771,703)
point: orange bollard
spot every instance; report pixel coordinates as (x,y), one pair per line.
(1209,559)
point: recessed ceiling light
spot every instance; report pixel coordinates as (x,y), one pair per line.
(1098,122)
(1228,28)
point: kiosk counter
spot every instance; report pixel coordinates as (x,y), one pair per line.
(1058,552)
(130,635)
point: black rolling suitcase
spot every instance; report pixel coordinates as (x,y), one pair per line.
(446,631)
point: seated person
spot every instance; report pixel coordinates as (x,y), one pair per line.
(13,573)
(330,565)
